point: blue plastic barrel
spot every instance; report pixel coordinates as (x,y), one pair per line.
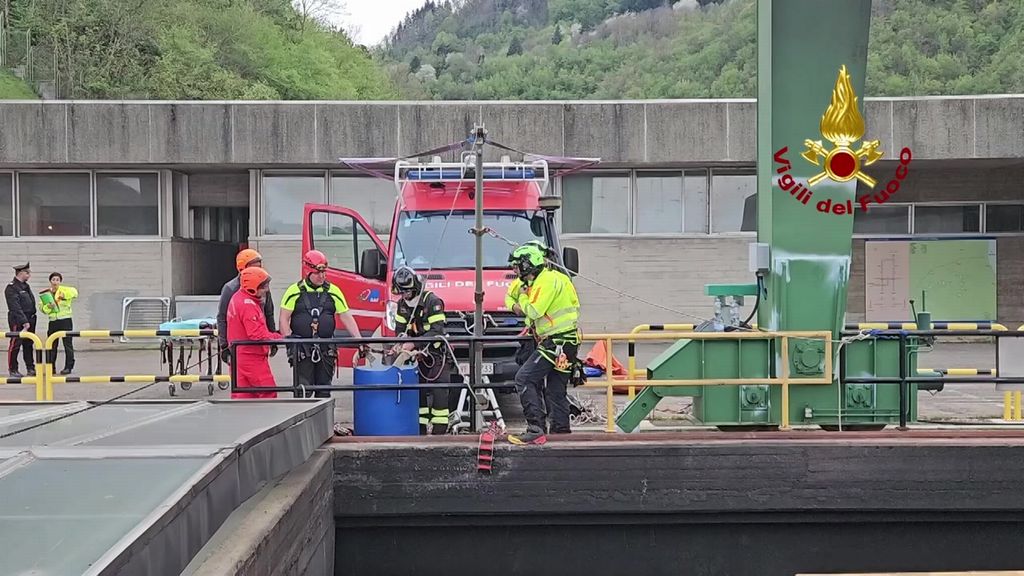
(385,412)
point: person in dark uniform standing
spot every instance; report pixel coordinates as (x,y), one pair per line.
(420,314)
(311,308)
(21,317)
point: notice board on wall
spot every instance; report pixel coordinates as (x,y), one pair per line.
(957,275)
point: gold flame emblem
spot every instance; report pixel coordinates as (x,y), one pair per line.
(842,125)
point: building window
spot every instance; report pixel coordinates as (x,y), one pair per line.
(127,205)
(733,202)
(283,200)
(54,204)
(882,220)
(373,198)
(669,202)
(998,217)
(6,204)
(947,219)
(595,204)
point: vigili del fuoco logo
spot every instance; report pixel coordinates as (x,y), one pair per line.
(842,125)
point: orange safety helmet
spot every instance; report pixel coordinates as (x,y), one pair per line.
(252,278)
(314,260)
(246,257)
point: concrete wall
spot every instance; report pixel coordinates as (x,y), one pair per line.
(219,190)
(290,133)
(670,272)
(103,272)
(285,530)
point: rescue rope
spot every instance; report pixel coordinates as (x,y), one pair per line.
(86,409)
(639,299)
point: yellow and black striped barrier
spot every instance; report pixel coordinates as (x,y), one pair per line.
(37,348)
(951,326)
(44,386)
(1012,400)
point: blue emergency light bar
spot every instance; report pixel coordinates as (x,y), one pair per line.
(406,171)
(455,174)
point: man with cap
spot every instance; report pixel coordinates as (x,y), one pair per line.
(245,259)
(21,316)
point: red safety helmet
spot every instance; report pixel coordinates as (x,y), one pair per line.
(253,278)
(314,261)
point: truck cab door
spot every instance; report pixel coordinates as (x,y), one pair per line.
(344,236)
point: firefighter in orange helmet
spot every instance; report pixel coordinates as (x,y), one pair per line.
(245,259)
(246,321)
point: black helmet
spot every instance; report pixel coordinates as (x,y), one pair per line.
(406,279)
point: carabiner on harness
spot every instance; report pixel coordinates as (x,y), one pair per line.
(315,354)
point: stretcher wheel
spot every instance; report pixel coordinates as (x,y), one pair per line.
(186,386)
(223,385)
(170,389)
(209,388)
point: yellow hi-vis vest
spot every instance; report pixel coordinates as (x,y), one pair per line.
(551,305)
(57,306)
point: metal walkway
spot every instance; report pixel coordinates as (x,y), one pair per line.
(138,487)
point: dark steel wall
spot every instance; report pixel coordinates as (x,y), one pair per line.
(701,508)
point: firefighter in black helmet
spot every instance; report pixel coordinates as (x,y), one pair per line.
(421,313)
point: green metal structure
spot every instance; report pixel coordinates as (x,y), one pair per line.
(812,149)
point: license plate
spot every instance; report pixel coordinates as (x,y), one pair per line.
(487,368)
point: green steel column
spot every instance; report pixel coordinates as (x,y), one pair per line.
(802,46)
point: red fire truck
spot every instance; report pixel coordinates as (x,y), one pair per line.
(431,233)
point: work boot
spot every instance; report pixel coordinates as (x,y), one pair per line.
(16,374)
(31,372)
(65,372)
(533,435)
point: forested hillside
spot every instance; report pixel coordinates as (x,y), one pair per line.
(192,49)
(555,49)
(478,49)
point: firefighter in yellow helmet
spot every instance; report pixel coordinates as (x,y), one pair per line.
(551,306)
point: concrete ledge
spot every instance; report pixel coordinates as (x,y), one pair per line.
(285,529)
(823,473)
(656,132)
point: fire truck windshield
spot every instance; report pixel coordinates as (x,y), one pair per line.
(424,240)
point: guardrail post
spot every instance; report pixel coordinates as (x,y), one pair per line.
(785,383)
(1016,405)
(903,381)
(609,390)
(1007,405)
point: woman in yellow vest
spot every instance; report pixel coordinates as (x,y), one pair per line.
(56,303)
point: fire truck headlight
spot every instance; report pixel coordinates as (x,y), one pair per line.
(389,315)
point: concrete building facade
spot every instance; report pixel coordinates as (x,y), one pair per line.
(152,199)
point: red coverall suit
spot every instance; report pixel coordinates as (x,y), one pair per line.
(246,321)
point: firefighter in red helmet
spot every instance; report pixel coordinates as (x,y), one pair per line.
(311,308)
(246,321)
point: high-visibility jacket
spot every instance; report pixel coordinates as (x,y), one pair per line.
(512,296)
(551,304)
(61,307)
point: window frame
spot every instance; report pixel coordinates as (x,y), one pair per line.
(15,225)
(95,208)
(951,203)
(728,171)
(984,216)
(910,223)
(261,198)
(630,175)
